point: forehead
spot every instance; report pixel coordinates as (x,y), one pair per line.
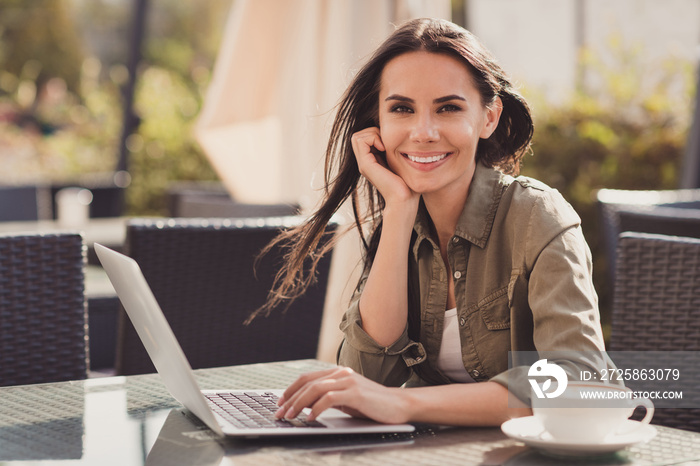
(420,72)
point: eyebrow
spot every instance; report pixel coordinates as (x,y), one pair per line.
(439,100)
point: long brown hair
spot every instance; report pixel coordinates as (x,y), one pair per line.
(357,110)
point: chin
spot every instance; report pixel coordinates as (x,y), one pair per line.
(423,190)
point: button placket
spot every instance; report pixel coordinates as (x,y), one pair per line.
(456,262)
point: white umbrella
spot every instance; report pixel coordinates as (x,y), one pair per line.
(282,67)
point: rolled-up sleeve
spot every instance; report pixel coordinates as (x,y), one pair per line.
(388,365)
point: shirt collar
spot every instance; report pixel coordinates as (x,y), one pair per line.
(479,211)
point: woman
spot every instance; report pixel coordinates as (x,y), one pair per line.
(464,262)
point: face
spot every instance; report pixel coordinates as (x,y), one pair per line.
(431,118)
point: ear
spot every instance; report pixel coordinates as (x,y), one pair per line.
(492,116)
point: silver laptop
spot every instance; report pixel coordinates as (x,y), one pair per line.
(246,413)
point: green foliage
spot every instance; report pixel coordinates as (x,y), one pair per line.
(626,134)
(39,32)
(51,133)
(163,150)
(180,52)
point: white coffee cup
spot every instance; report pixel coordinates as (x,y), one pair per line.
(589,412)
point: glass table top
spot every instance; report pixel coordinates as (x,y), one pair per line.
(134,421)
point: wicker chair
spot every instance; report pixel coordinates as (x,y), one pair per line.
(202,274)
(209,199)
(657,306)
(672,212)
(43,317)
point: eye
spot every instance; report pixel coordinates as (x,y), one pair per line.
(449,108)
(400,108)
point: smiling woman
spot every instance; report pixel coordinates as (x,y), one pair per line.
(463,262)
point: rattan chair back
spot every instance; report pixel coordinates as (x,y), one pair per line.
(657,305)
(203,274)
(43,316)
(667,212)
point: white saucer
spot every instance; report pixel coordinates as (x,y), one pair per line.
(529,430)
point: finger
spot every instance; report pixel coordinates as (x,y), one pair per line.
(311,391)
(342,397)
(364,141)
(292,394)
(319,396)
(372,137)
(378,143)
(301,381)
(301,398)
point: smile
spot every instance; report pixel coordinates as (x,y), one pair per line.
(434,158)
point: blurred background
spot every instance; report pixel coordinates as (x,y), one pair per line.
(124,90)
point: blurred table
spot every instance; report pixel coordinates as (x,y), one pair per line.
(110,231)
(134,421)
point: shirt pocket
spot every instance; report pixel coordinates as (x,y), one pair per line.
(492,334)
(495,310)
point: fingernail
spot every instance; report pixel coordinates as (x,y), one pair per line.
(279,412)
(289,414)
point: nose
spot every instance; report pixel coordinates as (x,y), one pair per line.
(425,128)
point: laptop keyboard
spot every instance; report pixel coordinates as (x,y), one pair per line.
(247,410)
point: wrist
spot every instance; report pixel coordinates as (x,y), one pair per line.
(401,212)
(407,405)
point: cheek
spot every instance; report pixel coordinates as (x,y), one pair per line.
(464,134)
(392,162)
(392,157)
(391,135)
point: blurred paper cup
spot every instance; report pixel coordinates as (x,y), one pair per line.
(73,207)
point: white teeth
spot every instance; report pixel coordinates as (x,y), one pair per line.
(426,159)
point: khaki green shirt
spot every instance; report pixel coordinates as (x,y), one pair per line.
(522,275)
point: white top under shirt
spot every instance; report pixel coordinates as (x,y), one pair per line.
(450,357)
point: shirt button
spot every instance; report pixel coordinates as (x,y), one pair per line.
(455,239)
(475,373)
(458,275)
(418,358)
(462,321)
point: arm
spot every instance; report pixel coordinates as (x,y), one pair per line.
(376,342)
(473,404)
(452,404)
(557,292)
(384,300)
